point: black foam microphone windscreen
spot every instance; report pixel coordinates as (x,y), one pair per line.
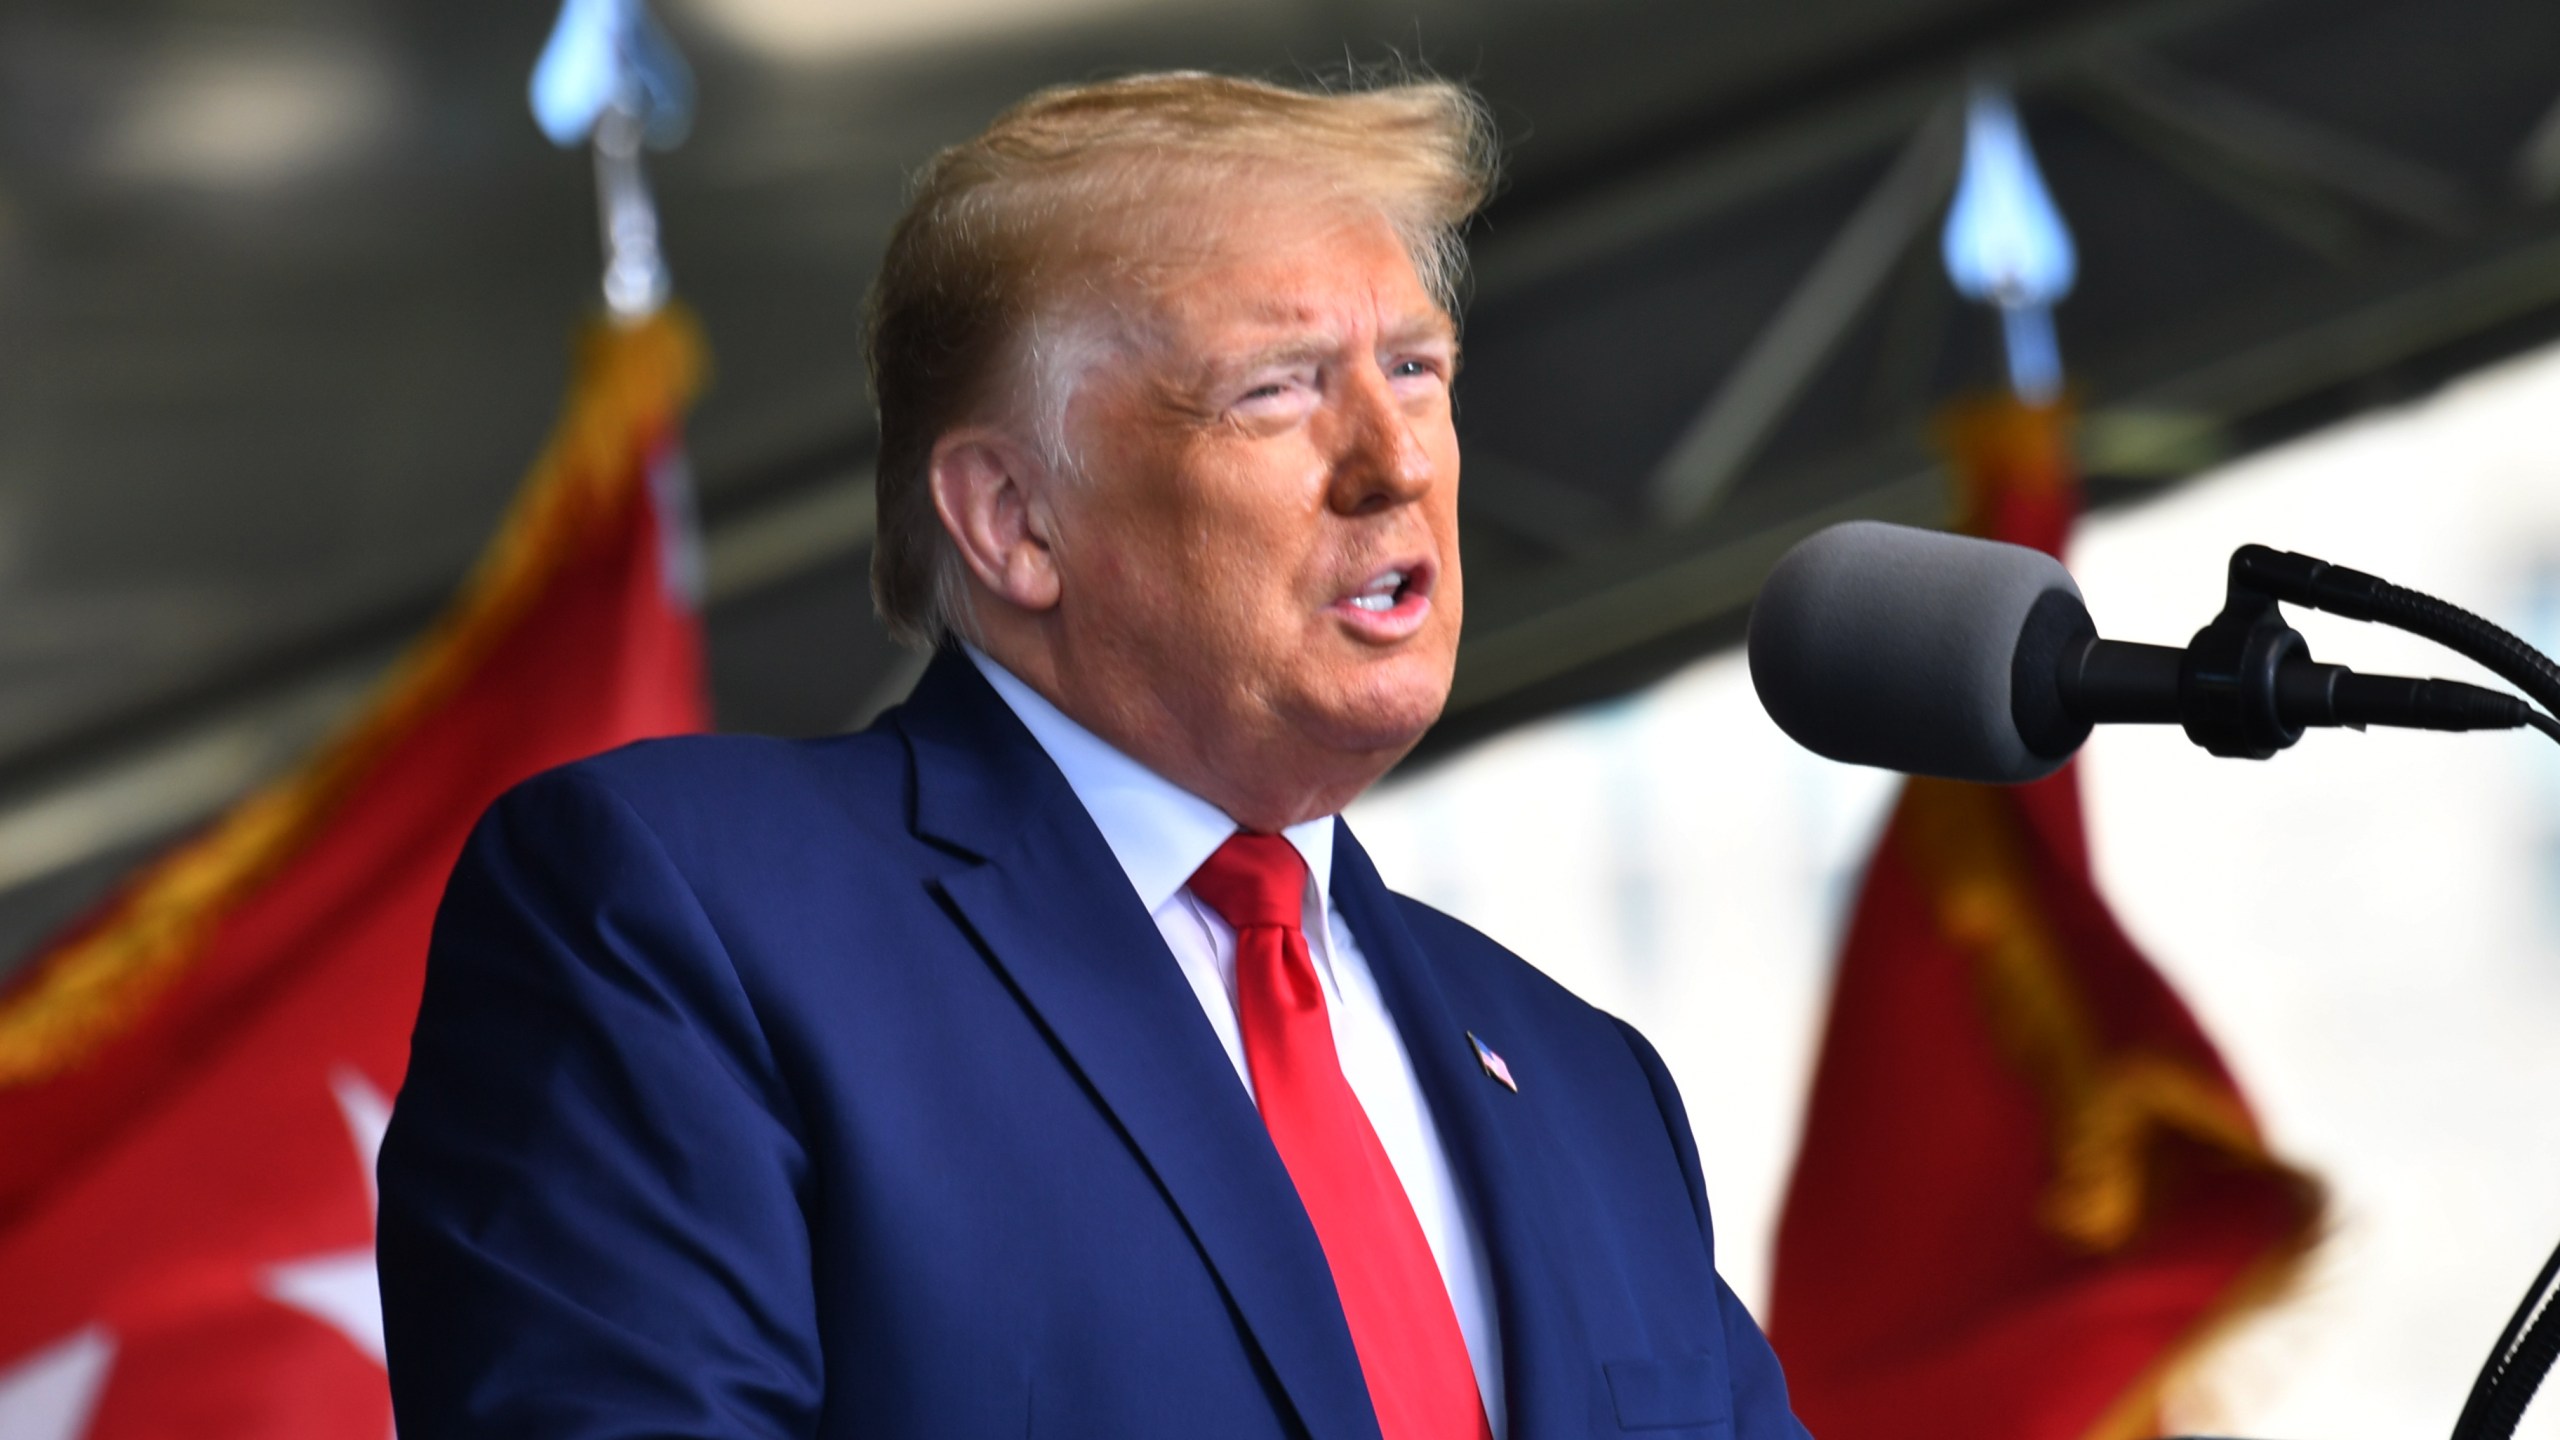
(1884,645)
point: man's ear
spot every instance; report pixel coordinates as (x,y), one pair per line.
(989,491)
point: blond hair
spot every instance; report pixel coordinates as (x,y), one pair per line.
(1064,199)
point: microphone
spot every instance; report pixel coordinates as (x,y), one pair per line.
(1938,654)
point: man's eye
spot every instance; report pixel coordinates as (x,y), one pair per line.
(1281,392)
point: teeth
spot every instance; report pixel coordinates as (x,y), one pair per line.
(1380,596)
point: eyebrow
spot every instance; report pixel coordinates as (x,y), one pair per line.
(1286,352)
(1302,349)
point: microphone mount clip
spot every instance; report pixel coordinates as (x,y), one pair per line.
(2232,669)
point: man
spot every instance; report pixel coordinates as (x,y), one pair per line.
(1046,1060)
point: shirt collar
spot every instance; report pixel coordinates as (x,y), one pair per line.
(1158,831)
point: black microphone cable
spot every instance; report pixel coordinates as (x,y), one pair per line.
(2318,585)
(2515,1368)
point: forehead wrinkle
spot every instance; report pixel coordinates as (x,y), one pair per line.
(1433,324)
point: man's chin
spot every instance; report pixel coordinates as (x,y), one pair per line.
(1385,715)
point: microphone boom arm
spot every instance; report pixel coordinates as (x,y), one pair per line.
(2247,687)
(2319,585)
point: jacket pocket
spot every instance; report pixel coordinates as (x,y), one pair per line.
(1685,1393)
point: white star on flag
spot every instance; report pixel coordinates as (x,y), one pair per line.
(50,1395)
(340,1288)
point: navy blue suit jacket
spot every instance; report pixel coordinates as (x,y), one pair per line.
(843,1088)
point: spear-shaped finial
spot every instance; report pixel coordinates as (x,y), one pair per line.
(2005,243)
(609,75)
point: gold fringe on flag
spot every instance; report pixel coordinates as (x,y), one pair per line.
(2105,1107)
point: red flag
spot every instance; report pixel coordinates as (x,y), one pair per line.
(2028,1189)
(193,1082)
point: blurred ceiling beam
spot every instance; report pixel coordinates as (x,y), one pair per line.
(2537,162)
(2303,214)
(1809,324)
(1748,161)
(173,781)
(1676,580)
(2276,140)
(789,535)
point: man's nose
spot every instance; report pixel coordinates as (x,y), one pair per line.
(1379,460)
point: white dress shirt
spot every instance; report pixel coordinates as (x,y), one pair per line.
(1162,833)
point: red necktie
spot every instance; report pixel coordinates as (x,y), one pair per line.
(1411,1351)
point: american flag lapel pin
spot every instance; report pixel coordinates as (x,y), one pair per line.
(1492,1064)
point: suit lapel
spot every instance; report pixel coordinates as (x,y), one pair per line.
(1500,1154)
(1050,905)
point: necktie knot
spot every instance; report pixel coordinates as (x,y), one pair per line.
(1253,880)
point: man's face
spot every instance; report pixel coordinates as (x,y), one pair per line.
(1265,541)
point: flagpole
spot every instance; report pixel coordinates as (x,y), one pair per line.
(2035,355)
(635,269)
(610,78)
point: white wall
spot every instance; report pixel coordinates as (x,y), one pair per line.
(2369,924)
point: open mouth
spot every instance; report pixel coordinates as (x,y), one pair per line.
(1383,593)
(1391,603)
